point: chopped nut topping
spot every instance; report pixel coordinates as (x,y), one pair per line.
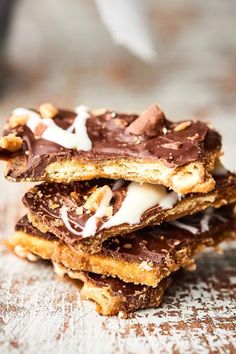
(53,205)
(15,121)
(191,266)
(79,210)
(210,126)
(122,315)
(146,265)
(99,111)
(173,146)
(95,198)
(109,211)
(127,245)
(182,126)
(48,110)
(121,122)
(149,123)
(74,195)
(11,142)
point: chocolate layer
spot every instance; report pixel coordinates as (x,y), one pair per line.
(44,204)
(112,295)
(156,244)
(115,136)
(118,287)
(160,244)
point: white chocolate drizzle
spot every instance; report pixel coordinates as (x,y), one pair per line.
(66,138)
(118,184)
(140,198)
(65,219)
(206,219)
(90,227)
(181,225)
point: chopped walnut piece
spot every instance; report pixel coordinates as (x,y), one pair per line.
(150,123)
(95,198)
(98,111)
(75,196)
(53,205)
(11,142)
(146,265)
(127,246)
(15,121)
(48,110)
(109,211)
(172,146)
(79,210)
(191,266)
(182,126)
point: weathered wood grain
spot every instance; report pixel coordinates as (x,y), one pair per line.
(41,312)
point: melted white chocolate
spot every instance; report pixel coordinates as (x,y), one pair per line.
(65,219)
(206,219)
(90,227)
(140,198)
(78,140)
(181,225)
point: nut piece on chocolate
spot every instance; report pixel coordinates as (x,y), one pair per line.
(87,213)
(142,257)
(65,146)
(150,123)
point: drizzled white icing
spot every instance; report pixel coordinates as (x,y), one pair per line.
(79,125)
(78,140)
(90,227)
(206,219)
(65,219)
(170,200)
(118,184)
(140,198)
(208,214)
(181,225)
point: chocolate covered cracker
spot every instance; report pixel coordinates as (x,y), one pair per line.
(84,214)
(63,146)
(145,256)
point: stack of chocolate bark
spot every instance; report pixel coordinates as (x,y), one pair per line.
(125,202)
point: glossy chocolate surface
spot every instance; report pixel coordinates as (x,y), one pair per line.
(158,243)
(114,137)
(46,200)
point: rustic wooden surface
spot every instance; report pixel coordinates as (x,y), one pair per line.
(52,56)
